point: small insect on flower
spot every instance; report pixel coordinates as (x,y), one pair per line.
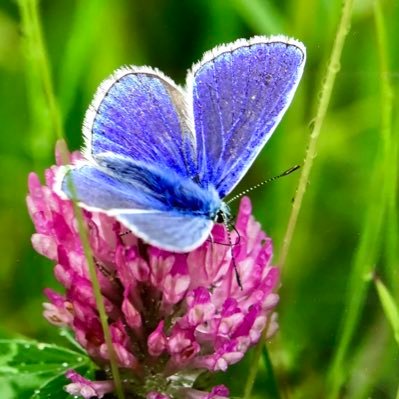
(161,158)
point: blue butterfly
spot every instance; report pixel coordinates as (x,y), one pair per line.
(160,158)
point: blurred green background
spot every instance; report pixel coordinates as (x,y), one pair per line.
(87,39)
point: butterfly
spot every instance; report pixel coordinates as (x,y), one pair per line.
(161,158)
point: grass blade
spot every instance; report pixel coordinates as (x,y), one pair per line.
(391,150)
(325,96)
(389,306)
(272,378)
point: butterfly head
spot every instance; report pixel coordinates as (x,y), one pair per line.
(223,215)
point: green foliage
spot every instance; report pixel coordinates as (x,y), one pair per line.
(333,329)
(390,307)
(33,370)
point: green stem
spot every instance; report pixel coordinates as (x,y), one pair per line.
(38,57)
(253,370)
(390,148)
(272,378)
(67,334)
(325,96)
(99,299)
(389,307)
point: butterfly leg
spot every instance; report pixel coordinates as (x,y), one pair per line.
(226,222)
(125,233)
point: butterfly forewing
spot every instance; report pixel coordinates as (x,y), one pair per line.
(240,92)
(140,114)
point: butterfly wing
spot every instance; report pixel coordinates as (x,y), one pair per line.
(140,113)
(97,190)
(135,195)
(240,92)
(138,118)
(172,232)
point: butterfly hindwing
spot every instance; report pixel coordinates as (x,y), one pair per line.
(135,205)
(96,189)
(240,92)
(167,230)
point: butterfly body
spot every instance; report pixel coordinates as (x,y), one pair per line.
(161,158)
(167,190)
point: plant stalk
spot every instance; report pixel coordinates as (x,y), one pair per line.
(325,96)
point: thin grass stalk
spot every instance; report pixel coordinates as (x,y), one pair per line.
(391,148)
(389,306)
(325,96)
(392,228)
(253,370)
(370,241)
(99,299)
(272,378)
(35,45)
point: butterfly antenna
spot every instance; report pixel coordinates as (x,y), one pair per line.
(286,173)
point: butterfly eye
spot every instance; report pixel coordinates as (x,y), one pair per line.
(223,215)
(220,217)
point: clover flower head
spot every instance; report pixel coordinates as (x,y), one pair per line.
(171,316)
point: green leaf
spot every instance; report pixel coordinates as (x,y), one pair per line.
(54,388)
(389,307)
(29,369)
